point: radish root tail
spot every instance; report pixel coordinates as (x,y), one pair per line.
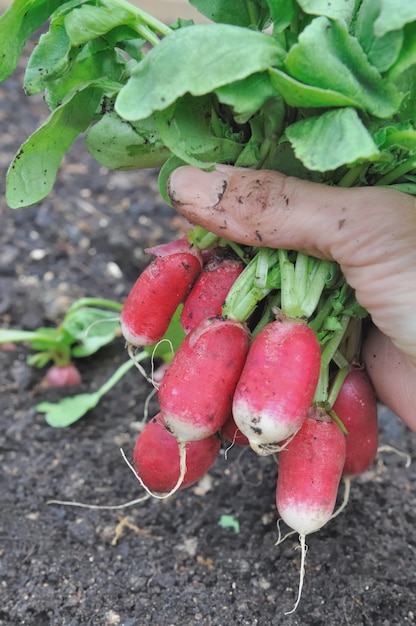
(304,549)
(405,455)
(281,539)
(347,490)
(100,507)
(182,472)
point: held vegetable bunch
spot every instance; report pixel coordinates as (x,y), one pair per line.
(269,359)
(268,342)
(320,90)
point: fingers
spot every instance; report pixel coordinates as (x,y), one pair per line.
(392,374)
(370,232)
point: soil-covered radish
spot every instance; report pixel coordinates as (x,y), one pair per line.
(156,458)
(158,291)
(278,382)
(62,376)
(210,289)
(356,407)
(195,395)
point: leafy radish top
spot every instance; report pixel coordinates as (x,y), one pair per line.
(316,89)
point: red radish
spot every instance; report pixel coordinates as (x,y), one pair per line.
(158,291)
(233,434)
(356,407)
(210,289)
(62,376)
(278,382)
(310,470)
(156,458)
(195,394)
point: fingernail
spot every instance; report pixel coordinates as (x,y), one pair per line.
(190,186)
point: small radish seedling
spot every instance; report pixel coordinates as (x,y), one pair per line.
(196,392)
(278,382)
(62,376)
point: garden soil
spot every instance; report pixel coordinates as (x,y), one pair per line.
(173,562)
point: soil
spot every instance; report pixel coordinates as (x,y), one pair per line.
(159,562)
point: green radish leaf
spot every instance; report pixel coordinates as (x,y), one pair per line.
(282,13)
(407,83)
(186,129)
(89,22)
(239,12)
(196,59)
(297,94)
(33,170)
(332,139)
(17,23)
(68,410)
(92,328)
(394,15)
(407,56)
(335,9)
(247,96)
(402,135)
(59,68)
(49,59)
(166,170)
(121,145)
(339,64)
(106,67)
(382,51)
(409,188)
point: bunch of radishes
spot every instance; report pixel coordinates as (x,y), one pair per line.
(267,360)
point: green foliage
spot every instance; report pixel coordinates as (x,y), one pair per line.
(147,94)
(88,325)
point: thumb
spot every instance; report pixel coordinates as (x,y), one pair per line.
(270,209)
(369,231)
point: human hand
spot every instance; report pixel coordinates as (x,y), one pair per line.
(369,231)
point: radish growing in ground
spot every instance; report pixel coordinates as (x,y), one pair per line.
(158,291)
(208,294)
(278,382)
(310,470)
(62,376)
(195,395)
(159,463)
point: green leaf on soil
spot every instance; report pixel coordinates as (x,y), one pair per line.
(229,521)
